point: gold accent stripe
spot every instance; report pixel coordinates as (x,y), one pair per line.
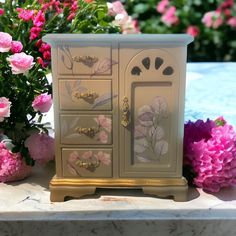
(118,182)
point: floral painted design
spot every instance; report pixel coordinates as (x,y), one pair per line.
(149,142)
(89,160)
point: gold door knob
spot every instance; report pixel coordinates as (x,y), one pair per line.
(89,96)
(125,112)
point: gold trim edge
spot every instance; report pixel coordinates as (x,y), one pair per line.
(118,182)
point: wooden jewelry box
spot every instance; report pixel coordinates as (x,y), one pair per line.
(119,113)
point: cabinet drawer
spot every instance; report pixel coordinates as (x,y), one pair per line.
(87,162)
(85,59)
(85,95)
(86,129)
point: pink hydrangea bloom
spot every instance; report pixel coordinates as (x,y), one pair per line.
(5,42)
(232,22)
(103,157)
(104,122)
(193,30)
(20,63)
(41,147)
(169,17)
(5,105)
(42,103)
(212,19)
(16,46)
(162,6)
(1,11)
(116,8)
(24,14)
(103,137)
(213,159)
(12,166)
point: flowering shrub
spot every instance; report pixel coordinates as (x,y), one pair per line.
(212,23)
(25,93)
(210,154)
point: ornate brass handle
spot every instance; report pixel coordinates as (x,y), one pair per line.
(88,61)
(91,132)
(86,165)
(125,112)
(89,96)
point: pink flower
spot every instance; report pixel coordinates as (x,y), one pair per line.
(87,155)
(39,19)
(42,103)
(16,46)
(12,166)
(5,42)
(25,15)
(5,105)
(71,16)
(103,137)
(1,11)
(104,158)
(104,122)
(34,32)
(193,30)
(20,63)
(162,6)
(212,19)
(116,8)
(41,147)
(169,18)
(73,157)
(232,22)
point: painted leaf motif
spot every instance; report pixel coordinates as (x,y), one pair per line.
(140,131)
(72,136)
(156,133)
(103,99)
(71,169)
(142,159)
(74,123)
(65,58)
(159,107)
(140,145)
(103,66)
(145,115)
(68,87)
(161,148)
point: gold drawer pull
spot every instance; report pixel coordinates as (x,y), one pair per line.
(91,132)
(89,96)
(125,112)
(87,165)
(88,61)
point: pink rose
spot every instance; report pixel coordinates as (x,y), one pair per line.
(5,105)
(232,22)
(16,46)
(193,30)
(104,122)
(20,63)
(87,155)
(1,11)
(169,18)
(162,6)
(41,147)
(104,158)
(5,42)
(25,15)
(115,8)
(42,103)
(103,137)
(212,19)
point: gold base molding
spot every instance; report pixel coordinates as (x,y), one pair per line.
(76,188)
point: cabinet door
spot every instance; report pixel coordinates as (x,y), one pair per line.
(149,115)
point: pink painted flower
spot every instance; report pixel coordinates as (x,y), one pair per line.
(20,63)
(73,157)
(103,137)
(212,19)
(5,42)
(103,157)
(24,14)
(193,30)
(39,19)
(5,105)
(104,122)
(87,155)
(34,32)
(16,46)
(41,147)
(116,8)
(42,103)
(12,166)
(1,11)
(162,6)
(169,17)
(232,22)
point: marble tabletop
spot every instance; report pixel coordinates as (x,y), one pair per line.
(25,207)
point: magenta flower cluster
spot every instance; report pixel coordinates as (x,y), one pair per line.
(210,150)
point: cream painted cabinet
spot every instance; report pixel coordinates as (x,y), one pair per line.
(119,113)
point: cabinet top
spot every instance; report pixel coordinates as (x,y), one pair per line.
(161,39)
